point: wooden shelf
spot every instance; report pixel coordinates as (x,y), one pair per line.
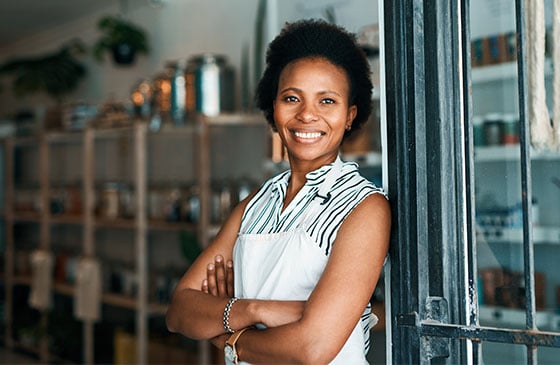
(119,300)
(71,219)
(121,223)
(504,153)
(236,119)
(158,309)
(541,235)
(501,72)
(514,318)
(64,289)
(160,225)
(369,159)
(138,139)
(22,280)
(27,217)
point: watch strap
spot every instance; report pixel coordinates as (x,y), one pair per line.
(232,340)
(235,336)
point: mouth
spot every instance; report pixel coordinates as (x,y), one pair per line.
(308,136)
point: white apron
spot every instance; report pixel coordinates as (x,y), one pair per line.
(287,266)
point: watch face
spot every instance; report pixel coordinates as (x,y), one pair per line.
(230,354)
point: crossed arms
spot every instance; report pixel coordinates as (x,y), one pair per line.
(333,308)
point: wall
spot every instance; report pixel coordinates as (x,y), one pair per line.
(179,29)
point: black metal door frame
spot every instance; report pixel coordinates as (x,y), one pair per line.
(434,306)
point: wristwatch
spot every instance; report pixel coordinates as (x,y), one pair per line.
(229,350)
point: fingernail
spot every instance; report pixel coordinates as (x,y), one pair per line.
(219,258)
(230,264)
(204,282)
(210,266)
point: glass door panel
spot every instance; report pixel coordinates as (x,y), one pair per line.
(498,185)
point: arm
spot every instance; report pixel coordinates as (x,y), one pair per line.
(197,314)
(336,304)
(196,311)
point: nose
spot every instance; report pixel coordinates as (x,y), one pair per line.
(307,113)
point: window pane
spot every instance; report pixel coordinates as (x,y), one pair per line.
(499,214)
(504,353)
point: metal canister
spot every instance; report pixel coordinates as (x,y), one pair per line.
(210,85)
(141,97)
(178,93)
(162,90)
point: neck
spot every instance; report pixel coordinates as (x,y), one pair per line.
(298,176)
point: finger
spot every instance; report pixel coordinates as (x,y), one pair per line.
(211,277)
(229,278)
(204,286)
(220,275)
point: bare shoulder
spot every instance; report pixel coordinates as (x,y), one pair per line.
(369,223)
(373,207)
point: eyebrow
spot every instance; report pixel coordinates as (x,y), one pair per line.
(324,92)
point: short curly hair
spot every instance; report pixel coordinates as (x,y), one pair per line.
(317,38)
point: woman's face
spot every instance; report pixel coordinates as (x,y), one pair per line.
(311,109)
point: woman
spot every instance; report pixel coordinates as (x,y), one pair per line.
(309,245)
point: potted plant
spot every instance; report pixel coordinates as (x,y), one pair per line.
(57,73)
(121,38)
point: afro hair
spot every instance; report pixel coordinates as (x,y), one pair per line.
(317,38)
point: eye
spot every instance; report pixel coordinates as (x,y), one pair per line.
(327,101)
(291,99)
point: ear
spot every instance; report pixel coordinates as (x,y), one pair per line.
(352,112)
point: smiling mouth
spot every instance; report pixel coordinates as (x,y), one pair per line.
(308,135)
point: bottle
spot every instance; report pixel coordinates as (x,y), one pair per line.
(535,211)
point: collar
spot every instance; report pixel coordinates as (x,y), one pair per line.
(314,178)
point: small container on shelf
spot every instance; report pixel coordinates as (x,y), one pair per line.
(477,52)
(494,51)
(510,130)
(493,129)
(511,46)
(478,131)
(109,202)
(558,301)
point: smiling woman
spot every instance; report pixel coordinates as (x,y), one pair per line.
(303,253)
(312,111)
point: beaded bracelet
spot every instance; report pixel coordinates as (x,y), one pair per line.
(227,309)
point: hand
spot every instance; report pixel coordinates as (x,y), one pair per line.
(220,341)
(219,278)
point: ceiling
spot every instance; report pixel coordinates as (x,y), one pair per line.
(21,18)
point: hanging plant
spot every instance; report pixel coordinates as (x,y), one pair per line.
(122,39)
(56,74)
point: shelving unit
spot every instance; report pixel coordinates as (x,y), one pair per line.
(504,153)
(541,236)
(501,72)
(515,318)
(140,225)
(492,165)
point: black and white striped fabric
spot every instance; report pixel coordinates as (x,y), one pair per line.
(337,198)
(264,213)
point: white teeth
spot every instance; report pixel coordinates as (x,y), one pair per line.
(307,134)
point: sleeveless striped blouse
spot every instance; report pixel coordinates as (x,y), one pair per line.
(263,214)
